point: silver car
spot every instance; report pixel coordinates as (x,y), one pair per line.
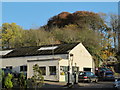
(117,83)
(87,76)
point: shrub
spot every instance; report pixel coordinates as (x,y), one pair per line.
(8,81)
(37,79)
(1,77)
(116,74)
(22,80)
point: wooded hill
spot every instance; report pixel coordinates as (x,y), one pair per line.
(98,34)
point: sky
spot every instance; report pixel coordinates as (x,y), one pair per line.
(35,14)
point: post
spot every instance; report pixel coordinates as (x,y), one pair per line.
(75,75)
(69,70)
(68,76)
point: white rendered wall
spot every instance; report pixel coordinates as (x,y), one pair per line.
(82,57)
(16,62)
(46,64)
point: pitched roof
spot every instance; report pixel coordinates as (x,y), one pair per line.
(41,50)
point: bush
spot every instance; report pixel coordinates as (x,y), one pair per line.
(37,79)
(116,74)
(8,81)
(1,77)
(22,80)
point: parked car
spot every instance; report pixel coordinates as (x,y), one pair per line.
(87,76)
(104,69)
(107,75)
(116,84)
(6,71)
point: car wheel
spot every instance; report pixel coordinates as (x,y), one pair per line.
(90,81)
(96,80)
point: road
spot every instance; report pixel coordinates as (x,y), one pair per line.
(101,84)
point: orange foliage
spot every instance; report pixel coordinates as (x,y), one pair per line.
(80,18)
(63,15)
(106,53)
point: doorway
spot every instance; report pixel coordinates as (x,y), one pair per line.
(87,69)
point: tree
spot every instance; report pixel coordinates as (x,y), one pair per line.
(107,48)
(114,28)
(37,37)
(11,34)
(65,35)
(83,19)
(43,37)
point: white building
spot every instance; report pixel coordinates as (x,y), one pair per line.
(53,60)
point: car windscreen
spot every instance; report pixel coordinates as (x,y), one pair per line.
(89,74)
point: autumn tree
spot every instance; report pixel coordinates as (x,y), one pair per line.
(37,37)
(114,28)
(83,19)
(11,35)
(110,34)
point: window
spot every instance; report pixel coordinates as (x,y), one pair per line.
(64,68)
(23,68)
(43,69)
(52,70)
(9,67)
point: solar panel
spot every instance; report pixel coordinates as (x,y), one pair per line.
(48,48)
(5,52)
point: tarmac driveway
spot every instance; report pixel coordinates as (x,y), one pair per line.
(101,84)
